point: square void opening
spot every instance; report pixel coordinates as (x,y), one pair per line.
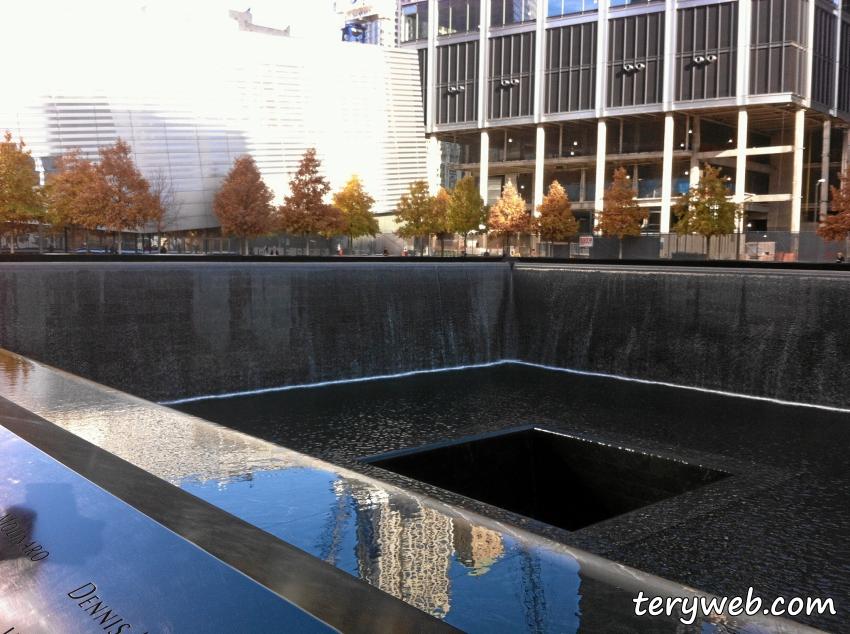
(569,482)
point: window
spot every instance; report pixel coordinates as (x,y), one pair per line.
(414,22)
(623,3)
(456,85)
(635,60)
(707,54)
(571,68)
(458,16)
(511,75)
(566,7)
(512,11)
(778,62)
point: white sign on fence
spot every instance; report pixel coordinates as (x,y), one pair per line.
(585,241)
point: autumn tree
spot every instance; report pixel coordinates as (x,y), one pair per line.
(162,189)
(621,215)
(243,204)
(74,194)
(20,198)
(304,210)
(466,210)
(356,207)
(128,200)
(836,227)
(414,211)
(508,216)
(705,209)
(555,221)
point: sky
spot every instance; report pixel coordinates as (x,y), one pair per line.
(39,21)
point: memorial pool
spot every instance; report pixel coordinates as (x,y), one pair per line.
(778,524)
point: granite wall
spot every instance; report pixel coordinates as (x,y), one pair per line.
(168,331)
(176,330)
(777,334)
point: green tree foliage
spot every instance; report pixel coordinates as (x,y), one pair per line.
(555,221)
(356,207)
(705,209)
(304,210)
(414,211)
(836,227)
(129,202)
(20,198)
(243,204)
(508,216)
(621,215)
(466,210)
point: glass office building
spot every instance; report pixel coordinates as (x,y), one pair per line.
(191,96)
(569,90)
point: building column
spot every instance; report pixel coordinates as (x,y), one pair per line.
(741,164)
(484,172)
(797,182)
(539,154)
(433,160)
(667,172)
(431,68)
(845,151)
(824,168)
(696,139)
(601,142)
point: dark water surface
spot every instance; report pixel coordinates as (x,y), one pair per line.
(780,524)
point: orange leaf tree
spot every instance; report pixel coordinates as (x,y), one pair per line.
(75,195)
(243,204)
(129,202)
(20,198)
(508,216)
(555,220)
(356,207)
(836,227)
(621,215)
(304,210)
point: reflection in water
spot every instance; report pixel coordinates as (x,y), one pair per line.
(476,547)
(14,369)
(478,577)
(421,555)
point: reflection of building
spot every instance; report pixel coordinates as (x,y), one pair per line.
(403,548)
(568,90)
(406,549)
(476,547)
(369,21)
(190,96)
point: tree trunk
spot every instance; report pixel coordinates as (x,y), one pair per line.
(442,245)
(40,238)
(465,239)
(12,241)
(244,245)
(118,250)
(307,245)
(620,240)
(708,248)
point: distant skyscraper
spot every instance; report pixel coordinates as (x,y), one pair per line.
(369,21)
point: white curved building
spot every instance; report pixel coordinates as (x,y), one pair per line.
(191,94)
